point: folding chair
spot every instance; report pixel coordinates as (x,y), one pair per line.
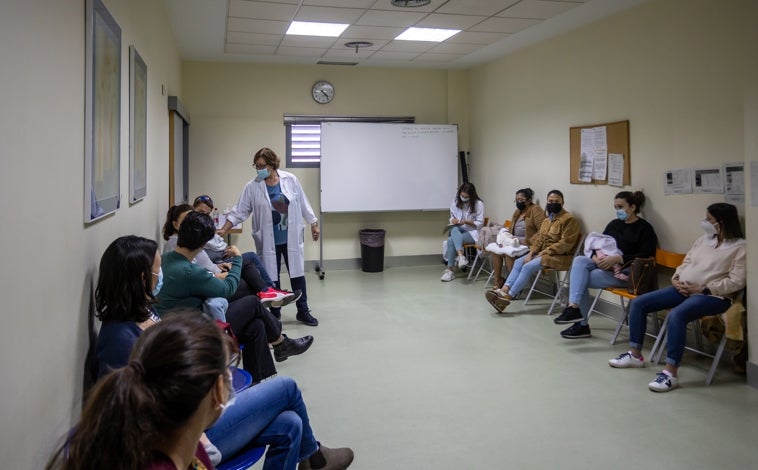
(560,281)
(467,247)
(667,259)
(656,354)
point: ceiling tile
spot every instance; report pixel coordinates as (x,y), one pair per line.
(261,10)
(378,43)
(408,46)
(472,37)
(437,58)
(437,20)
(328,15)
(475,7)
(540,9)
(381,55)
(301,51)
(347,53)
(249,50)
(234,37)
(446,48)
(387,5)
(504,25)
(340,3)
(390,18)
(257,26)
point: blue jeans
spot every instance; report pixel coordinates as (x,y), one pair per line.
(215,307)
(584,275)
(455,242)
(683,310)
(521,274)
(271,413)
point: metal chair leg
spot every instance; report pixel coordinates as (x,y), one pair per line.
(716,360)
(473,266)
(623,321)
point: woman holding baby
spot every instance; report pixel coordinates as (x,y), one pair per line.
(601,266)
(525,223)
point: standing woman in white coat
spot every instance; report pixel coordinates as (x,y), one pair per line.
(278,205)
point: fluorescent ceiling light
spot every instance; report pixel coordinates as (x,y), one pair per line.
(427,34)
(303,28)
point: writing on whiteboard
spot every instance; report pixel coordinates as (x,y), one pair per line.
(417,131)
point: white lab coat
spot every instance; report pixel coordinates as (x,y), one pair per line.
(465,213)
(254,200)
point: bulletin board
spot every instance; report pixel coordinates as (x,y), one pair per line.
(617,136)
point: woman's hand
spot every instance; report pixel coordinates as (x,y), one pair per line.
(607,263)
(528,257)
(224,266)
(232,250)
(455,221)
(315,231)
(221,276)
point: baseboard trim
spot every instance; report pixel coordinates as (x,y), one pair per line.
(389,262)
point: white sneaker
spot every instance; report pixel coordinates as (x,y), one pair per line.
(462,261)
(663,382)
(447,276)
(626,360)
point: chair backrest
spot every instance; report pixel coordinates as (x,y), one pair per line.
(579,244)
(486,221)
(507,223)
(668,259)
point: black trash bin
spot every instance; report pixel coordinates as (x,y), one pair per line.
(372,250)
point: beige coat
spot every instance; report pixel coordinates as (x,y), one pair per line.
(557,241)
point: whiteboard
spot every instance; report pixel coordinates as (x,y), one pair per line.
(388,167)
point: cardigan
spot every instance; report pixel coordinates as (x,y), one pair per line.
(557,238)
(533,217)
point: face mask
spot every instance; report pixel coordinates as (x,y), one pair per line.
(553,207)
(232,396)
(263,174)
(464,199)
(621,214)
(708,228)
(158,286)
(520,205)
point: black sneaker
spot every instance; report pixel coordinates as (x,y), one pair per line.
(569,315)
(291,347)
(307,318)
(577,330)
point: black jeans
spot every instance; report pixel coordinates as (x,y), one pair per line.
(255,327)
(298,283)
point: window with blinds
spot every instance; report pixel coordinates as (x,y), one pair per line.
(303,135)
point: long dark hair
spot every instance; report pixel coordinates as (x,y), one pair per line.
(726,215)
(172,216)
(123,290)
(196,230)
(173,366)
(472,194)
(636,198)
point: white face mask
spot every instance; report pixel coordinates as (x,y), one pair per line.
(232,395)
(464,199)
(708,228)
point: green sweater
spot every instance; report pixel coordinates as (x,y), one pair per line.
(187,285)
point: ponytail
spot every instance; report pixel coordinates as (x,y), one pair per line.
(636,198)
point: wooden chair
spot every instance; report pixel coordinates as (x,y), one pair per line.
(561,278)
(666,259)
(468,247)
(656,354)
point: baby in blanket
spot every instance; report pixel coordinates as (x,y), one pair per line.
(603,246)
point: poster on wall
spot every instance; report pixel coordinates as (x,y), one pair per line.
(708,181)
(677,181)
(734,184)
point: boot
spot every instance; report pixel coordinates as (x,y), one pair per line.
(328,459)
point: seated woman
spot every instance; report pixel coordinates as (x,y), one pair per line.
(253,281)
(175,385)
(552,247)
(187,285)
(634,237)
(711,275)
(525,223)
(467,217)
(129,279)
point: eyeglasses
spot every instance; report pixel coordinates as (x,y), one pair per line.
(234,360)
(204,199)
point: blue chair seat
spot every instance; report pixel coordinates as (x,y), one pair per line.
(243,459)
(241,379)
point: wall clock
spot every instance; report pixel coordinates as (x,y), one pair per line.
(322,92)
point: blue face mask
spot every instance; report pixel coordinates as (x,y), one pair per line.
(263,174)
(621,214)
(158,286)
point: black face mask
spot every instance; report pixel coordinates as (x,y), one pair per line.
(520,205)
(553,207)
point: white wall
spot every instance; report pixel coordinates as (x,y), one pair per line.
(680,71)
(236,109)
(50,255)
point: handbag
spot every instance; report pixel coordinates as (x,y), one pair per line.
(642,276)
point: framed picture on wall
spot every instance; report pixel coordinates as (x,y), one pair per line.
(137,126)
(102,116)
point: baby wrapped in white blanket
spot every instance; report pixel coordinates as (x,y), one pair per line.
(507,244)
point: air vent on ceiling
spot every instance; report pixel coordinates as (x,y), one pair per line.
(329,62)
(410,3)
